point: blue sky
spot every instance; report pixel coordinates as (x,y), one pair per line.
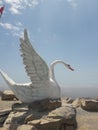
(58,29)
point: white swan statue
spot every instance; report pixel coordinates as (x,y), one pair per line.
(43,84)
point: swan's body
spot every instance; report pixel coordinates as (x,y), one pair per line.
(43,84)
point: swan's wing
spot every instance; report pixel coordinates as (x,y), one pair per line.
(35,66)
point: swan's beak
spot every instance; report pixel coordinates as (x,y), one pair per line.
(70,68)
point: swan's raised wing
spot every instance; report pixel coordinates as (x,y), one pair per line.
(35,66)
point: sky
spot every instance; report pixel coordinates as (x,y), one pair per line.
(58,29)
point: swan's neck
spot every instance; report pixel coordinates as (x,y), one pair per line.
(51,72)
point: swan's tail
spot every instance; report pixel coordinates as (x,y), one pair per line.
(8,80)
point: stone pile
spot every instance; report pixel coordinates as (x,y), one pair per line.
(88,104)
(27,117)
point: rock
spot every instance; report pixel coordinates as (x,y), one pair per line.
(89,104)
(14,120)
(69,100)
(50,104)
(86,120)
(3,115)
(26,127)
(8,95)
(29,118)
(45,104)
(2,119)
(34,122)
(96,98)
(77,102)
(19,107)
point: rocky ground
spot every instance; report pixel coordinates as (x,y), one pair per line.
(67,114)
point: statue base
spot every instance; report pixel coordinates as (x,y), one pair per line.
(45,104)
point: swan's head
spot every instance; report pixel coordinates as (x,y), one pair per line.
(69,67)
(60,61)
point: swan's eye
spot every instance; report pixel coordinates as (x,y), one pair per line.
(69,66)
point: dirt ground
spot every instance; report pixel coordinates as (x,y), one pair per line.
(6,104)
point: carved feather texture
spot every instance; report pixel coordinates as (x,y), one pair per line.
(35,66)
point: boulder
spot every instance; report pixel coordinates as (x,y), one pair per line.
(58,119)
(8,95)
(89,104)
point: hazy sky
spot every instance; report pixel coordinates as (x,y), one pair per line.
(58,29)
